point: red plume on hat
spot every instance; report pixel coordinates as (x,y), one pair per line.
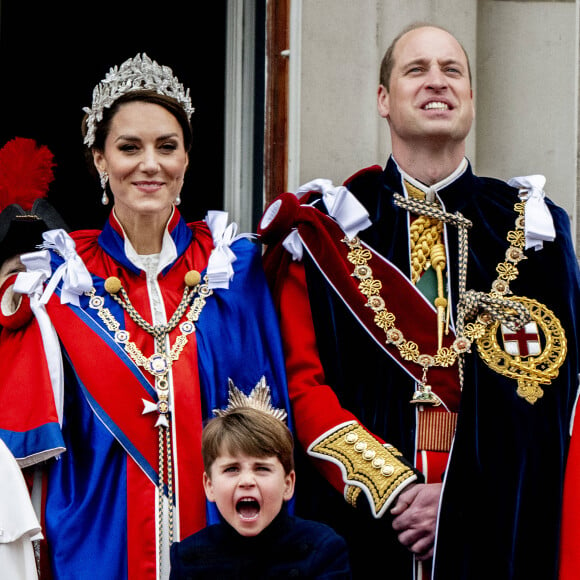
(25,172)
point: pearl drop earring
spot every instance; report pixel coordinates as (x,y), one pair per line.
(104,177)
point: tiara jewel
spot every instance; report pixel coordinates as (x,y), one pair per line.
(135,74)
(259,399)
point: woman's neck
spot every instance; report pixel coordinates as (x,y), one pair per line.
(145,232)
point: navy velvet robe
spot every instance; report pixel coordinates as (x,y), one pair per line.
(500,511)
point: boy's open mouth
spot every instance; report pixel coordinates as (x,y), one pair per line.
(248,508)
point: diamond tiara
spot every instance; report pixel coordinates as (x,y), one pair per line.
(135,74)
(260,399)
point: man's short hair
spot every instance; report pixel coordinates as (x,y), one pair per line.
(251,432)
(388,61)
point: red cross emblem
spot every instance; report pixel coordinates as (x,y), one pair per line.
(523,342)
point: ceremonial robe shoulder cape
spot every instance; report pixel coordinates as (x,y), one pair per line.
(500,510)
(100,511)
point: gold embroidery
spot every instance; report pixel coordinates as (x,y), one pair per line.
(352,494)
(367,463)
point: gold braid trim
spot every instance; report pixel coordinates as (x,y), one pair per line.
(367,465)
(424,233)
(352,493)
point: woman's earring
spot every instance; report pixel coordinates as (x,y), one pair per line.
(104,177)
(177,200)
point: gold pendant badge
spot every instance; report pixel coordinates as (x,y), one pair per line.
(532,355)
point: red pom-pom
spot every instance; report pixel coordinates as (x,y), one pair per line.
(23,314)
(278,218)
(25,172)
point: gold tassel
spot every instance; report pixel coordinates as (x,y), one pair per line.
(438,261)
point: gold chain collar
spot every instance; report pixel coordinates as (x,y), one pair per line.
(160,362)
(495,304)
(158,365)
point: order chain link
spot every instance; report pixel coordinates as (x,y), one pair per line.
(494,304)
(160,334)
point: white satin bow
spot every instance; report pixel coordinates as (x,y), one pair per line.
(75,277)
(539,225)
(219,266)
(38,270)
(341,205)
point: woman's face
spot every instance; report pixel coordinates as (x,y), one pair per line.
(145,158)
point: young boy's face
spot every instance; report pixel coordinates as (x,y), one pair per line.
(248,491)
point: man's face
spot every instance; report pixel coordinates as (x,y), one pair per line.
(429,96)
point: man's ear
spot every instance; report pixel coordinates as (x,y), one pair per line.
(473,104)
(383,101)
(207,486)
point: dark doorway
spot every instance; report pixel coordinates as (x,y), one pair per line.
(52,54)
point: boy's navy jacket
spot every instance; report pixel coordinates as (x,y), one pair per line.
(289,547)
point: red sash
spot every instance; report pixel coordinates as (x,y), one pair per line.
(112,382)
(415,317)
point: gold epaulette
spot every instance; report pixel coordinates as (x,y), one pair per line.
(367,465)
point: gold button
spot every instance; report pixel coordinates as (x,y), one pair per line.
(388,470)
(192,278)
(369,454)
(112,285)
